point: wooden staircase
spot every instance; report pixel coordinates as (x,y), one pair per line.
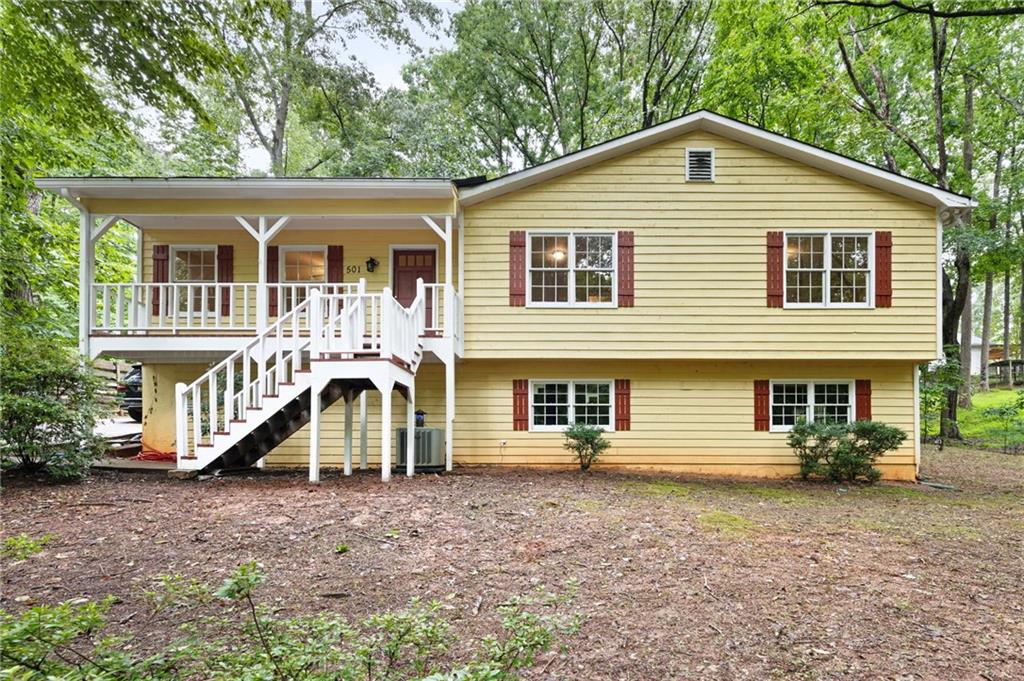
(242,408)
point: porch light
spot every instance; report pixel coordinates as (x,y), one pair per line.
(371,264)
(421,418)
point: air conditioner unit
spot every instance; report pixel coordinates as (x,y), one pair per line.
(428,448)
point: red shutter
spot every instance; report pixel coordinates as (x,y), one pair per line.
(335,264)
(883,269)
(272,278)
(775,268)
(762,405)
(520,404)
(863,404)
(161,272)
(225,274)
(626,269)
(622,397)
(517,269)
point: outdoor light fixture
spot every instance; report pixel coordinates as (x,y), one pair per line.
(371,264)
(421,418)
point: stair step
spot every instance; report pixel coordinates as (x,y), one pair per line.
(222,432)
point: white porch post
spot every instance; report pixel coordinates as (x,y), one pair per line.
(363,464)
(314,434)
(449,410)
(261,277)
(348,432)
(462,250)
(385,431)
(410,429)
(86,254)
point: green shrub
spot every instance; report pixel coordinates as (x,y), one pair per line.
(246,640)
(843,452)
(47,409)
(586,442)
(22,546)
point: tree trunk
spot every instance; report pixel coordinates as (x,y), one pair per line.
(986,333)
(966,335)
(1007,370)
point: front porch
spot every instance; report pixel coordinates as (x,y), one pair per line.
(248,281)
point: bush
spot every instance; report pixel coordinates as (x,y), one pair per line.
(246,640)
(47,409)
(1007,417)
(843,452)
(586,442)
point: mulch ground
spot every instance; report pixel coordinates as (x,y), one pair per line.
(678,576)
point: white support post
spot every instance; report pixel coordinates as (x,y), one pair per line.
(385,431)
(410,429)
(448,250)
(348,432)
(181,421)
(314,434)
(363,463)
(261,277)
(85,269)
(462,250)
(449,410)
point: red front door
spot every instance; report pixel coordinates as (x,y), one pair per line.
(409,266)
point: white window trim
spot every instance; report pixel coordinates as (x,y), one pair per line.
(810,399)
(610,428)
(686,161)
(281,260)
(571,257)
(825,294)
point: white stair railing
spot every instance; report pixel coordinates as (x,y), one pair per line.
(401,327)
(225,393)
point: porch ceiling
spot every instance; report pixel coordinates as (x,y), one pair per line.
(297,222)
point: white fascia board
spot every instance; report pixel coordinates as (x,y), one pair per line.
(725,127)
(261,187)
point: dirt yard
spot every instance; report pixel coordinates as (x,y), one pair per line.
(678,576)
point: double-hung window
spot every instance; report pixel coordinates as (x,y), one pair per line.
(555,405)
(195,265)
(302,267)
(828,270)
(814,401)
(571,269)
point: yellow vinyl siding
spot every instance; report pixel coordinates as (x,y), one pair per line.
(700,260)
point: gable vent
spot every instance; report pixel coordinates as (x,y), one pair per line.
(700,165)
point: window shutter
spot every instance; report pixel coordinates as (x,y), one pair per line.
(225,274)
(517,269)
(335,264)
(625,265)
(622,398)
(883,269)
(863,404)
(161,272)
(520,404)
(762,405)
(775,268)
(272,278)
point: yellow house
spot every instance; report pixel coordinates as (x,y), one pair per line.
(693,288)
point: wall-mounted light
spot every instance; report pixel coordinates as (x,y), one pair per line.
(371,264)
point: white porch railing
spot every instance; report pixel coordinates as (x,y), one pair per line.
(189,308)
(346,324)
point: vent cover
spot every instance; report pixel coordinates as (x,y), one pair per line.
(700,165)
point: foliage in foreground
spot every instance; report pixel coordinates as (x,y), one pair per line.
(65,641)
(586,442)
(843,452)
(48,409)
(22,546)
